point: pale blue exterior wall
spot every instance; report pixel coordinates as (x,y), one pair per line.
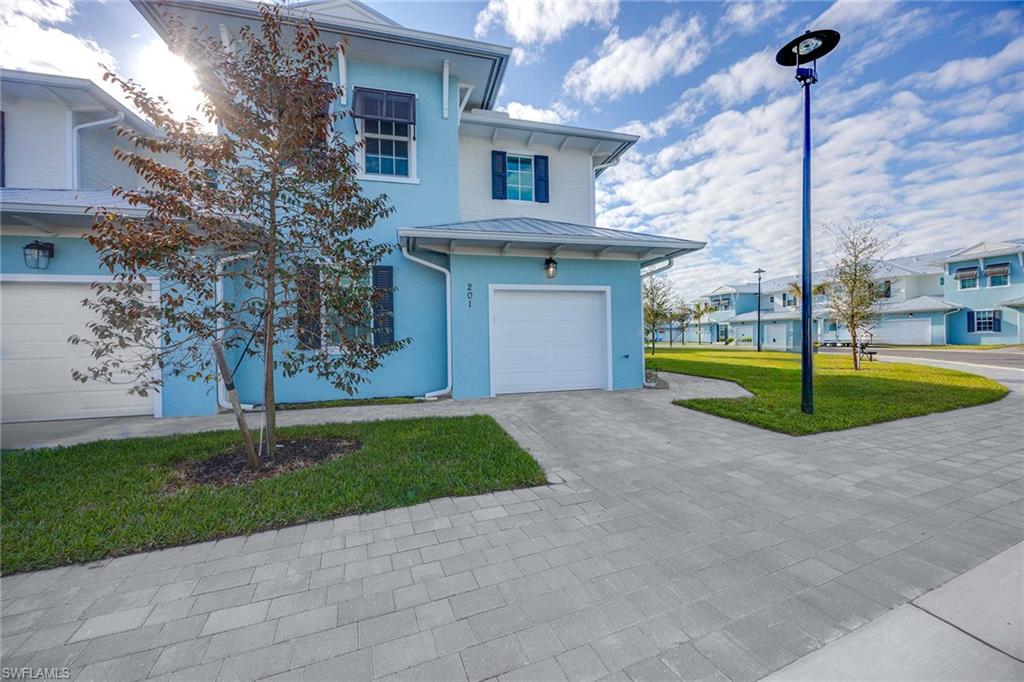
(75,256)
(470,322)
(985,298)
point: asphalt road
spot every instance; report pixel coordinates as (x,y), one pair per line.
(1002,358)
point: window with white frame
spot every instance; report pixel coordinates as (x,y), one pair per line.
(387,148)
(998,274)
(984,320)
(886,289)
(520,177)
(966,278)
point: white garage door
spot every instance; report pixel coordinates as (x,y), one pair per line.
(774,336)
(905,332)
(36,319)
(548,340)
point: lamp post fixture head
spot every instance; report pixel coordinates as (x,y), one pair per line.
(759,272)
(809,47)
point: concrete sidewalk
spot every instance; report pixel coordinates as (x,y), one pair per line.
(971,628)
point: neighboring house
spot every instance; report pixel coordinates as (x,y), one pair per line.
(56,161)
(956,296)
(502,281)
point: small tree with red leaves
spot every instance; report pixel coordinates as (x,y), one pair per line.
(270,209)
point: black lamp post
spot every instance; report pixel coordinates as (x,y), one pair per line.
(759,272)
(806,49)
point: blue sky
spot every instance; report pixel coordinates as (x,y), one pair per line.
(918,116)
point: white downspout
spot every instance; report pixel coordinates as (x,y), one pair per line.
(75,143)
(222,393)
(448,317)
(643,359)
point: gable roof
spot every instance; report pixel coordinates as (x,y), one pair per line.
(984,250)
(383,42)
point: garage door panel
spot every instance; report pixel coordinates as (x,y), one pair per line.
(903,332)
(36,360)
(547,340)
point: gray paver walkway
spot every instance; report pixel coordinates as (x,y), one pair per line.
(675,544)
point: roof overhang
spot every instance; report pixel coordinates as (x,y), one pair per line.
(604,145)
(473,62)
(78,94)
(647,252)
(49,210)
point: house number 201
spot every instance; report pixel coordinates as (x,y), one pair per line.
(469,294)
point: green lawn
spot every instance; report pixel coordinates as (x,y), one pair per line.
(843,398)
(100,499)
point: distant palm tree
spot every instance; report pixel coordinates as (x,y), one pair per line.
(699,311)
(796,291)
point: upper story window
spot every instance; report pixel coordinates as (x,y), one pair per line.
(519,177)
(723,304)
(886,289)
(966,278)
(998,274)
(386,122)
(386,149)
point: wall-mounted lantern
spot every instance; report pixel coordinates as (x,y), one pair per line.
(551,268)
(38,255)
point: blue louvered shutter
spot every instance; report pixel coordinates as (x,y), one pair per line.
(540,179)
(384,309)
(997,320)
(499,175)
(970,321)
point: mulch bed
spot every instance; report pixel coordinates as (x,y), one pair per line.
(232,467)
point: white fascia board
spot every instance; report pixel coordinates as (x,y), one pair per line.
(503,237)
(58,209)
(153,12)
(100,96)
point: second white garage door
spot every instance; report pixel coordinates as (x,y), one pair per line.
(36,319)
(903,332)
(548,339)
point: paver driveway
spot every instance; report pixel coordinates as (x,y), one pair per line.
(679,544)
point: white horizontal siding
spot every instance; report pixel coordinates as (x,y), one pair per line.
(36,144)
(97,166)
(570,183)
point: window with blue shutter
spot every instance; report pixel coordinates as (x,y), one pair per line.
(540,179)
(384,309)
(997,320)
(499,173)
(970,321)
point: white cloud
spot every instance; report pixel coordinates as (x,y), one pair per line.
(961,72)
(745,17)
(755,74)
(557,113)
(532,24)
(1008,21)
(635,64)
(34,40)
(937,165)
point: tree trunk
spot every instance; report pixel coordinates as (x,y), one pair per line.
(698,334)
(269,403)
(856,350)
(236,407)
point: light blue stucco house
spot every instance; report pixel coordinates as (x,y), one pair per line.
(966,296)
(501,279)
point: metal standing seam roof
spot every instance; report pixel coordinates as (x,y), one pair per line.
(1014,302)
(919,304)
(14,199)
(549,229)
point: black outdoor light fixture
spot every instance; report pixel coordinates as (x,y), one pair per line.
(759,272)
(806,50)
(551,268)
(38,255)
